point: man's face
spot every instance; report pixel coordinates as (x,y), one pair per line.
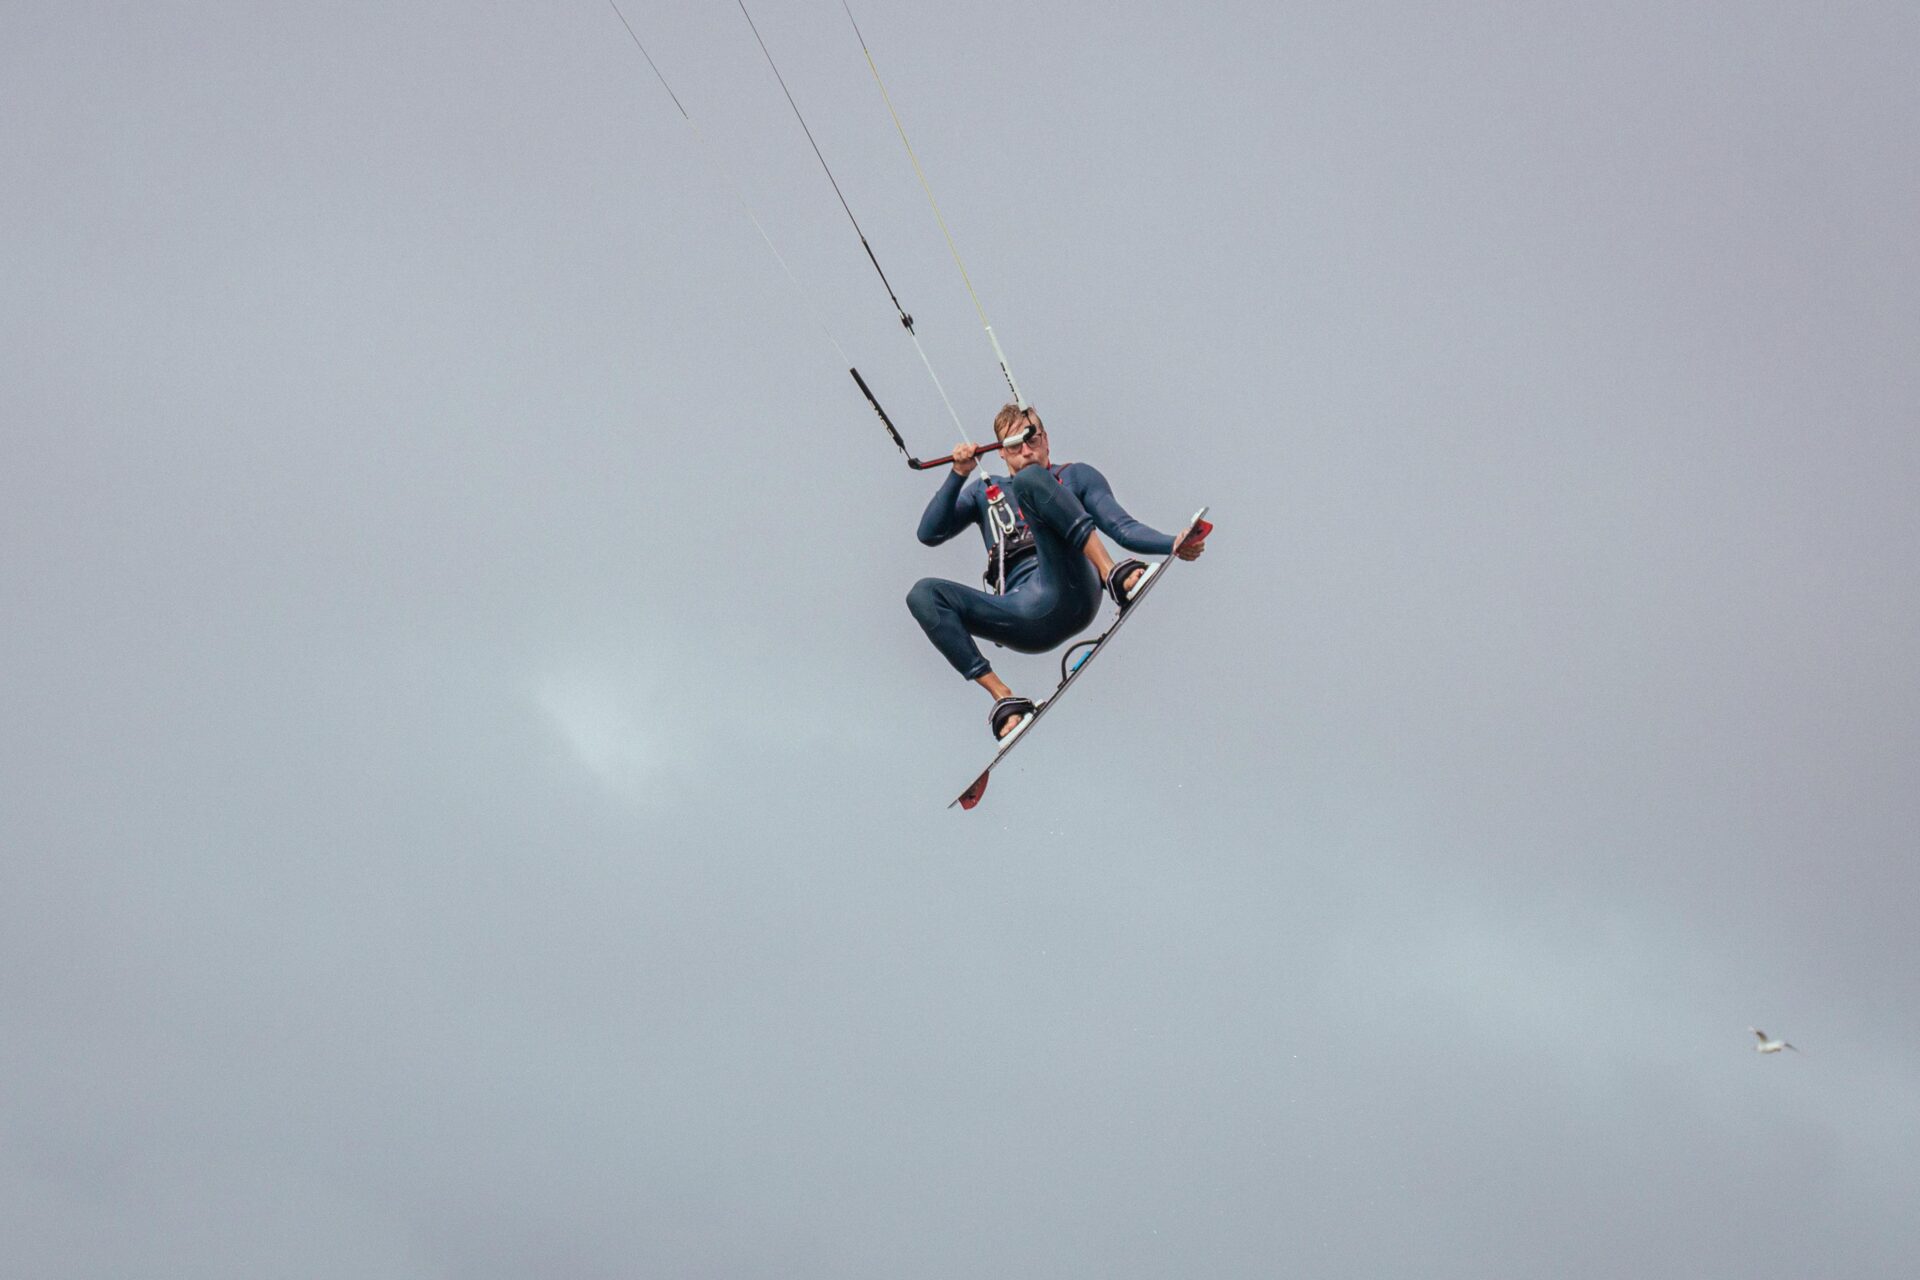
(1033,452)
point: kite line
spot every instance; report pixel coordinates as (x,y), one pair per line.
(739,193)
(926,186)
(906,320)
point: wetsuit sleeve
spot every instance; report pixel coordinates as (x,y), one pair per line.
(946,515)
(1096,495)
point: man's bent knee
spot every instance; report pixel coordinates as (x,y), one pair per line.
(1029,480)
(926,602)
(1041,495)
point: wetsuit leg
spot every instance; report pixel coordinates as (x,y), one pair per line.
(1061,527)
(1032,618)
(1048,504)
(1053,600)
(952,615)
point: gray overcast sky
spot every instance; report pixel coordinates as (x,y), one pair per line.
(473,791)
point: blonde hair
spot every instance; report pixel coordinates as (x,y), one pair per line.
(1009,416)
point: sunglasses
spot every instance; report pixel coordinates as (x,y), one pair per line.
(1023,437)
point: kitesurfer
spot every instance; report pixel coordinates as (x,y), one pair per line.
(1046,562)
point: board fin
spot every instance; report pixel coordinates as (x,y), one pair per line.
(971,796)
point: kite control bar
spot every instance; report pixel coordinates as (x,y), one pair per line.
(1015,439)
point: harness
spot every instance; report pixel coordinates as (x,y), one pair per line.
(1012,537)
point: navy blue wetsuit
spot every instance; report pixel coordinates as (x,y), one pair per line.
(1052,592)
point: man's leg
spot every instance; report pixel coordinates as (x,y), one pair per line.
(1051,507)
(952,615)
(1096,552)
(994,685)
(943,610)
(997,687)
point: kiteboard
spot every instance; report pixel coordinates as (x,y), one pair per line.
(1197,529)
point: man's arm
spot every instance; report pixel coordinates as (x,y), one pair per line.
(1096,495)
(946,515)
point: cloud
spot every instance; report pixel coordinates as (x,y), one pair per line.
(612,726)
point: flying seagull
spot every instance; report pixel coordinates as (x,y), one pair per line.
(1766,1045)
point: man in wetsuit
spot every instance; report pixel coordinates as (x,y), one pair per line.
(1046,559)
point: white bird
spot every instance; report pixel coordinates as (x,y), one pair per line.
(1766,1045)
